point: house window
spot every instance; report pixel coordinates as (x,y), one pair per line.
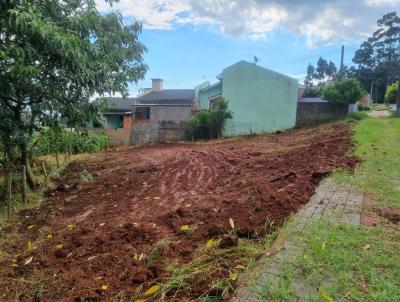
(214,101)
(142,113)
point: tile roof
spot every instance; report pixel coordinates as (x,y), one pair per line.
(168,97)
(119,104)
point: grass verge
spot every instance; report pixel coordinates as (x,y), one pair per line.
(343,262)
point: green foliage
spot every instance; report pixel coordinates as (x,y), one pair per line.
(312,91)
(391,92)
(378,58)
(54,57)
(209,123)
(50,141)
(346,90)
(323,72)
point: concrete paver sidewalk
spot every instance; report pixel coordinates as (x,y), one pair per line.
(333,202)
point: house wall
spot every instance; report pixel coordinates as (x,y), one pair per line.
(176,113)
(159,132)
(261,100)
(204,96)
(309,113)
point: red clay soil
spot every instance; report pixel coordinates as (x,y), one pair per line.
(141,195)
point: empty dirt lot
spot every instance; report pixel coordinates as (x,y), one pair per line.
(97,234)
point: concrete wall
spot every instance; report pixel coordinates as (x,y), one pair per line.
(205,95)
(174,113)
(164,131)
(116,137)
(319,112)
(261,100)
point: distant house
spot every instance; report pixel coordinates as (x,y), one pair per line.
(119,112)
(156,115)
(261,100)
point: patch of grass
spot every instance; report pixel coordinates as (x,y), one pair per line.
(378,107)
(378,145)
(35,197)
(348,263)
(358,116)
(219,268)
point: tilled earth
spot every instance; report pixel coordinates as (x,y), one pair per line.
(95,234)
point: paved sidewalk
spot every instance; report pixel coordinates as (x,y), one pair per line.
(336,203)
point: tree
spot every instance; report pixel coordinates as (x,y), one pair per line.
(346,91)
(55,56)
(209,123)
(392,92)
(378,58)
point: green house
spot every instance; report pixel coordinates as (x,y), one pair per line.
(261,100)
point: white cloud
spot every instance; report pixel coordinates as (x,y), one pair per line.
(320,21)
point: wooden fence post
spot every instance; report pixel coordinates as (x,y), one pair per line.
(24,187)
(44,172)
(9,179)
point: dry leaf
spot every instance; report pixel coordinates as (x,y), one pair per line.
(14,265)
(157,198)
(139,300)
(97,278)
(210,243)
(185,228)
(29,260)
(59,246)
(31,226)
(152,290)
(29,245)
(366,247)
(138,257)
(70,226)
(231,223)
(104,287)
(326,297)
(91,258)
(49,236)
(323,245)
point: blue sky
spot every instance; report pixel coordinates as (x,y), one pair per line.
(187,56)
(191,41)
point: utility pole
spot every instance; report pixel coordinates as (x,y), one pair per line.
(341,62)
(372,87)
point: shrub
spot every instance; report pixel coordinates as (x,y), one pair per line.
(391,92)
(209,123)
(346,91)
(50,141)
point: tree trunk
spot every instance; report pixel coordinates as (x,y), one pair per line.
(25,161)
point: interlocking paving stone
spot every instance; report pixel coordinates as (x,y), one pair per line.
(336,203)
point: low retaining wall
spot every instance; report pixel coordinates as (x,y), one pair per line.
(158,132)
(310,113)
(116,137)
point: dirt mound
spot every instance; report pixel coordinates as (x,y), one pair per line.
(148,206)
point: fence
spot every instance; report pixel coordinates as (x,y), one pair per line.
(311,113)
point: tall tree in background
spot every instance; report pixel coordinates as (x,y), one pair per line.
(378,58)
(55,56)
(317,76)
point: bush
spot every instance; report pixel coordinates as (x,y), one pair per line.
(346,91)
(361,107)
(50,141)
(391,92)
(209,123)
